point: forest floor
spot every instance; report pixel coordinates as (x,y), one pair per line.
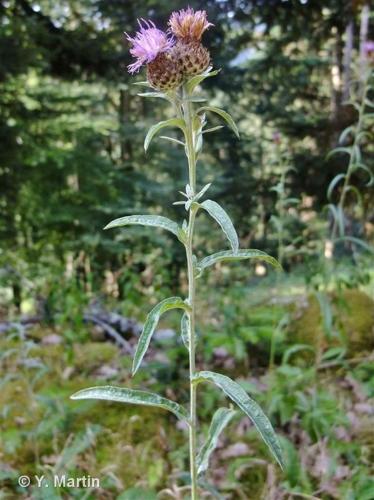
(322,408)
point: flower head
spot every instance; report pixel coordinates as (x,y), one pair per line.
(369,47)
(188,24)
(147,44)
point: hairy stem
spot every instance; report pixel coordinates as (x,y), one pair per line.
(191,156)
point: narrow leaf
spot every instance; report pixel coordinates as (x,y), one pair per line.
(366,169)
(223,114)
(212,129)
(357,241)
(220,216)
(219,421)
(173,122)
(196,80)
(338,216)
(154,94)
(201,193)
(150,326)
(237,394)
(356,192)
(334,183)
(185,330)
(347,150)
(148,220)
(346,132)
(293,350)
(172,139)
(236,256)
(144,83)
(132,396)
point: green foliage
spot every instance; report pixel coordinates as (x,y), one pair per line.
(150,326)
(148,220)
(220,420)
(173,122)
(232,256)
(223,114)
(235,392)
(132,396)
(72,158)
(221,217)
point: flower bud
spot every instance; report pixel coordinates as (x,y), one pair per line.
(188,26)
(192,57)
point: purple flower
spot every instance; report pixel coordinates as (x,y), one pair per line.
(147,44)
(369,47)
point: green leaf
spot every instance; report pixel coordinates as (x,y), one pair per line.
(336,353)
(196,80)
(220,216)
(149,220)
(335,151)
(185,330)
(172,139)
(337,213)
(143,83)
(346,132)
(132,396)
(293,350)
(212,129)
(237,394)
(219,421)
(356,241)
(228,255)
(223,114)
(172,122)
(334,183)
(355,191)
(201,193)
(150,325)
(154,94)
(358,166)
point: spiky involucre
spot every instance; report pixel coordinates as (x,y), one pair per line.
(164,73)
(192,58)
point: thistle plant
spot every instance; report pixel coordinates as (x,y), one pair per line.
(177,63)
(357,134)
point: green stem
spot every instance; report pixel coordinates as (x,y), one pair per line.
(191,156)
(280,206)
(352,158)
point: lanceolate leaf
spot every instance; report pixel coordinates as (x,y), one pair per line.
(356,241)
(173,122)
(334,183)
(361,166)
(237,394)
(347,150)
(196,80)
(223,114)
(235,256)
(149,220)
(217,212)
(185,329)
(219,421)
(150,325)
(123,395)
(154,94)
(337,213)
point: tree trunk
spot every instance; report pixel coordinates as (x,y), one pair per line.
(364,28)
